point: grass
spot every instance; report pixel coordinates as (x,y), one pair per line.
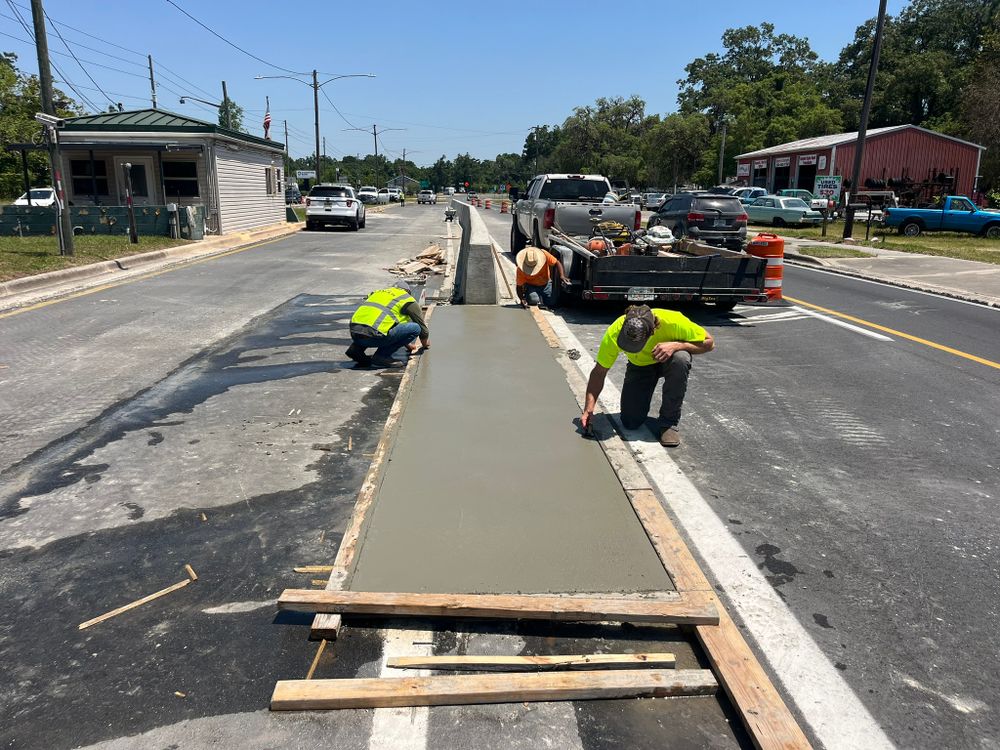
(823,251)
(26,256)
(942,244)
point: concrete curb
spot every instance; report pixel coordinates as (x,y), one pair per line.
(181,254)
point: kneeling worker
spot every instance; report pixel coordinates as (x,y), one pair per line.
(658,344)
(388,320)
(534,277)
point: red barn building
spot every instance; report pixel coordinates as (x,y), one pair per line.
(895,158)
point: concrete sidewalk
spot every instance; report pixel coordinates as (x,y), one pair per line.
(967,280)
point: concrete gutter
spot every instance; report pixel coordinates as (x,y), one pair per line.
(55,282)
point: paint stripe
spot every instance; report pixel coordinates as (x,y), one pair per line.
(842,324)
(893,331)
(835,714)
(140,277)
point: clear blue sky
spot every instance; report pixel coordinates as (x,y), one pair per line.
(455,77)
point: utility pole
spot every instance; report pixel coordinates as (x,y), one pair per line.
(315,85)
(866,108)
(133,232)
(152,81)
(64,227)
(378,167)
(225,107)
(722,150)
(288,157)
(323,161)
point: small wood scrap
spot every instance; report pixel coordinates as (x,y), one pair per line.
(204,517)
(179,694)
(457,690)
(430,260)
(313,569)
(535,663)
(192,576)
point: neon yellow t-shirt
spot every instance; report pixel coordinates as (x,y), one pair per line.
(673,326)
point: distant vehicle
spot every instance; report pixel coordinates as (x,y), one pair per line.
(780,212)
(427,196)
(42,197)
(704,217)
(816,202)
(635,198)
(652,201)
(334,204)
(382,196)
(957,214)
(292,193)
(750,194)
(722,190)
(368,194)
(449,191)
(394,193)
(620,187)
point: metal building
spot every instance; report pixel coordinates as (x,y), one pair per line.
(904,158)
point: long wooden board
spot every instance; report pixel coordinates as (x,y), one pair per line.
(455,690)
(695,609)
(327,626)
(479,663)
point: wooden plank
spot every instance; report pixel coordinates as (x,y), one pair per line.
(133,605)
(535,663)
(314,569)
(696,609)
(327,626)
(456,690)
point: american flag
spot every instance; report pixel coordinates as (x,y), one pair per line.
(267,120)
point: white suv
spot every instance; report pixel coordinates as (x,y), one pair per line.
(334,204)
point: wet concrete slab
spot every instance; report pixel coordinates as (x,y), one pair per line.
(489,487)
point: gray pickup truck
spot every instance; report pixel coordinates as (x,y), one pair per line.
(568,202)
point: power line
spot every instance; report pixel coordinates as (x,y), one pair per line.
(337,110)
(180,79)
(232,44)
(92,36)
(70,50)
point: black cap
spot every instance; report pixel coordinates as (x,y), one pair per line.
(638,327)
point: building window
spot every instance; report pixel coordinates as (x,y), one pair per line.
(86,182)
(180,179)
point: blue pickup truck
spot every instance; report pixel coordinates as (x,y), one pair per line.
(957,214)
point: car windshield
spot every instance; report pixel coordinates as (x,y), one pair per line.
(368,189)
(43,193)
(720,203)
(574,190)
(330,192)
(794,203)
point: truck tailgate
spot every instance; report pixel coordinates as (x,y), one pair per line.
(708,275)
(575,218)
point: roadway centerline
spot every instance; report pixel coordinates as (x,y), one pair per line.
(901,334)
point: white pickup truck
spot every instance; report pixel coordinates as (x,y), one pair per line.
(569,202)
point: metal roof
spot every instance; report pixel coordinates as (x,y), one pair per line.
(826,141)
(156,121)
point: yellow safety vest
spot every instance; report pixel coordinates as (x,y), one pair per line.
(383,309)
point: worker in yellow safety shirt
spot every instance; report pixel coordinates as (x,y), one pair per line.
(388,320)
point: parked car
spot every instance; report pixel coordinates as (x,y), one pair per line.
(382,196)
(816,202)
(652,201)
(368,194)
(395,193)
(635,198)
(334,204)
(749,194)
(427,196)
(42,197)
(292,193)
(705,217)
(773,209)
(956,214)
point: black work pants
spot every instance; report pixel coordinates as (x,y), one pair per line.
(640,382)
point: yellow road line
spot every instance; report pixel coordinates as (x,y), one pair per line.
(894,332)
(140,277)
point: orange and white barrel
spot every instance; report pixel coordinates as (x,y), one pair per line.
(488,205)
(771,248)
(503,207)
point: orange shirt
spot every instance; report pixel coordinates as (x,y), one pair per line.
(542,277)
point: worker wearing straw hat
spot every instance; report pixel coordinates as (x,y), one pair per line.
(534,276)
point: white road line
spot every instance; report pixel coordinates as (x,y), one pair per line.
(402,728)
(767,319)
(836,715)
(843,324)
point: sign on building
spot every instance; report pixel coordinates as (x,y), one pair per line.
(807,159)
(782,161)
(828,186)
(305,174)
(760,163)
(743,170)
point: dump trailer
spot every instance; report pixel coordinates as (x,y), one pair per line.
(687,271)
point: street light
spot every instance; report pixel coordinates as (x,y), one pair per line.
(375,134)
(316,86)
(224,108)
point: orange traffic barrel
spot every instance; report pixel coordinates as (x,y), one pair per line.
(772,248)
(488,204)
(503,207)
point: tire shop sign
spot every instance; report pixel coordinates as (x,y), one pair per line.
(828,186)
(760,164)
(807,159)
(782,161)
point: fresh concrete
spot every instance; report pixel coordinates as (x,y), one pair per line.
(490,488)
(476,273)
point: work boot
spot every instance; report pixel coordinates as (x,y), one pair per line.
(670,437)
(356,353)
(387,362)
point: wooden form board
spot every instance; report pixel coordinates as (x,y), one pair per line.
(762,710)
(534,663)
(454,690)
(696,609)
(327,626)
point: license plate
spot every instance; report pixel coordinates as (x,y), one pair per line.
(719,223)
(640,294)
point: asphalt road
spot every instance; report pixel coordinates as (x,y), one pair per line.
(862,475)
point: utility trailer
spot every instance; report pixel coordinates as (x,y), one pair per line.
(691,272)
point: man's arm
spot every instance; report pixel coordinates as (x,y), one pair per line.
(663,351)
(595,384)
(520,295)
(416,314)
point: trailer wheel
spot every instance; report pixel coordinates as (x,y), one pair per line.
(517,239)
(911,229)
(724,305)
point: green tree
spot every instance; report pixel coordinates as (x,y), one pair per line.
(234,113)
(673,148)
(979,113)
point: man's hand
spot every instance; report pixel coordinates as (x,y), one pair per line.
(665,350)
(425,341)
(586,420)
(412,348)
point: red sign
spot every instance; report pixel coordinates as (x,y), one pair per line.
(466,184)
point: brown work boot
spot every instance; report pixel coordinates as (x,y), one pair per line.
(356,353)
(670,437)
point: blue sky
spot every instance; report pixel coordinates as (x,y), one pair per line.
(452,77)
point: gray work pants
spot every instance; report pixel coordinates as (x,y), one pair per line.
(640,382)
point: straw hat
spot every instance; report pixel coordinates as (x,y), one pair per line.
(530,261)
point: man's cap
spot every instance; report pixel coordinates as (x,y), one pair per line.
(530,261)
(638,327)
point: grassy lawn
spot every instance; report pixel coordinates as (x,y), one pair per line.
(945,244)
(300,211)
(25,256)
(823,251)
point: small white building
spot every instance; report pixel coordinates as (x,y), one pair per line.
(238,178)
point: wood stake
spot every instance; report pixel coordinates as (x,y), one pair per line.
(190,571)
(455,690)
(534,663)
(313,569)
(315,661)
(350,442)
(133,605)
